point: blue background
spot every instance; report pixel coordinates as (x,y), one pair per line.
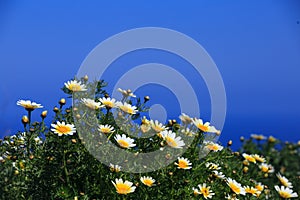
(255,44)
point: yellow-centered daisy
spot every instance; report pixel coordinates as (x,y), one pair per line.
(124,141)
(28,105)
(147,180)
(61,128)
(123,187)
(183,163)
(75,86)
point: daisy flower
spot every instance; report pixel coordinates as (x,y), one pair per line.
(75,86)
(185,119)
(187,132)
(219,175)
(147,180)
(285,193)
(157,126)
(258,137)
(204,127)
(235,186)
(127,108)
(205,191)
(172,140)
(252,190)
(183,163)
(108,102)
(125,142)
(259,158)
(61,128)
(212,166)
(196,191)
(249,158)
(106,129)
(28,105)
(266,168)
(284,181)
(212,146)
(123,187)
(114,168)
(91,103)
(126,93)
(260,187)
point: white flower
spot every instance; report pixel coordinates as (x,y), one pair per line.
(147,180)
(267,168)
(108,102)
(124,141)
(157,126)
(28,105)
(126,93)
(172,140)
(114,168)
(127,108)
(38,140)
(212,146)
(205,191)
(284,181)
(91,103)
(219,175)
(185,119)
(61,128)
(123,187)
(183,163)
(285,193)
(106,129)
(212,166)
(235,186)
(75,86)
(205,127)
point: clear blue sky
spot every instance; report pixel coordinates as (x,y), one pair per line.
(255,44)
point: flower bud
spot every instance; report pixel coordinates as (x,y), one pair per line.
(229,143)
(44,114)
(106,95)
(25,120)
(74,141)
(86,78)
(62,101)
(146,98)
(55,109)
(242,139)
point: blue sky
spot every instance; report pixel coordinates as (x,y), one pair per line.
(255,45)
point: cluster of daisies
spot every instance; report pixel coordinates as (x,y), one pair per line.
(189,127)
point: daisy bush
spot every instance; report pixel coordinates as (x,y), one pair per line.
(52,161)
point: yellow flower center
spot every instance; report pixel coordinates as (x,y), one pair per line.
(205,192)
(123,143)
(259,187)
(108,104)
(265,168)
(284,194)
(74,87)
(63,129)
(105,130)
(123,188)
(250,158)
(235,188)
(203,128)
(171,142)
(213,147)
(148,182)
(182,164)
